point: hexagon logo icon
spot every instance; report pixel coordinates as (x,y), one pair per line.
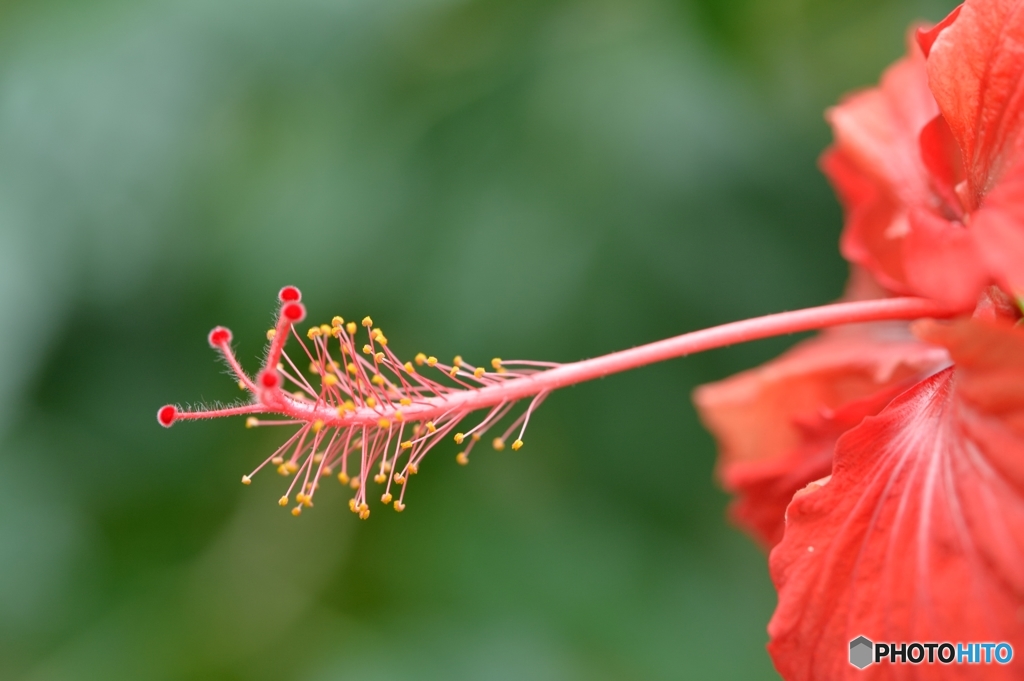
(860,652)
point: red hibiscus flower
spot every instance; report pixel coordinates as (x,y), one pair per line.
(887,467)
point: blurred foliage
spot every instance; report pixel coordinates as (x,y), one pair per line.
(532,179)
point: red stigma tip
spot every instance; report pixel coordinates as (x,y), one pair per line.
(289,294)
(294,312)
(166,415)
(269,379)
(219,336)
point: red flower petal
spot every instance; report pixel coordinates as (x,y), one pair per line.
(976,70)
(878,128)
(872,211)
(777,425)
(940,154)
(975,67)
(933,249)
(926,36)
(876,166)
(919,532)
(998,229)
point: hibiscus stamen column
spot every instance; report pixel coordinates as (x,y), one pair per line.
(368,400)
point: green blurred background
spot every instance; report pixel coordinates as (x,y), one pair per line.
(547,180)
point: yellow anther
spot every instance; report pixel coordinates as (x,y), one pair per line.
(457,361)
(517,445)
(282,470)
(299,497)
(498,444)
(371,402)
(386,497)
(351,368)
(431,361)
(453,372)
(352,505)
(367,322)
(431,427)
(325,330)
(330,380)
(405,402)
(409,368)
(350,405)
(476,437)
(379,357)
(290,465)
(341,410)
(351,328)
(314,332)
(377,379)
(367,350)
(337,321)
(271,333)
(399,506)
(299,394)
(382,340)
(307,501)
(387,467)
(314,368)
(462,458)
(280,367)
(297,511)
(496,362)
(376,333)
(277,460)
(501,370)
(420,358)
(364,513)
(380,478)
(283,501)
(479,372)
(355,483)
(384,423)
(407,445)
(252,422)
(342,478)
(327,472)
(246,480)
(399,479)
(459,437)
(399,416)
(413,469)
(318,426)
(241,385)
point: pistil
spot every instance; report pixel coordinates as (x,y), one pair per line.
(368,400)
